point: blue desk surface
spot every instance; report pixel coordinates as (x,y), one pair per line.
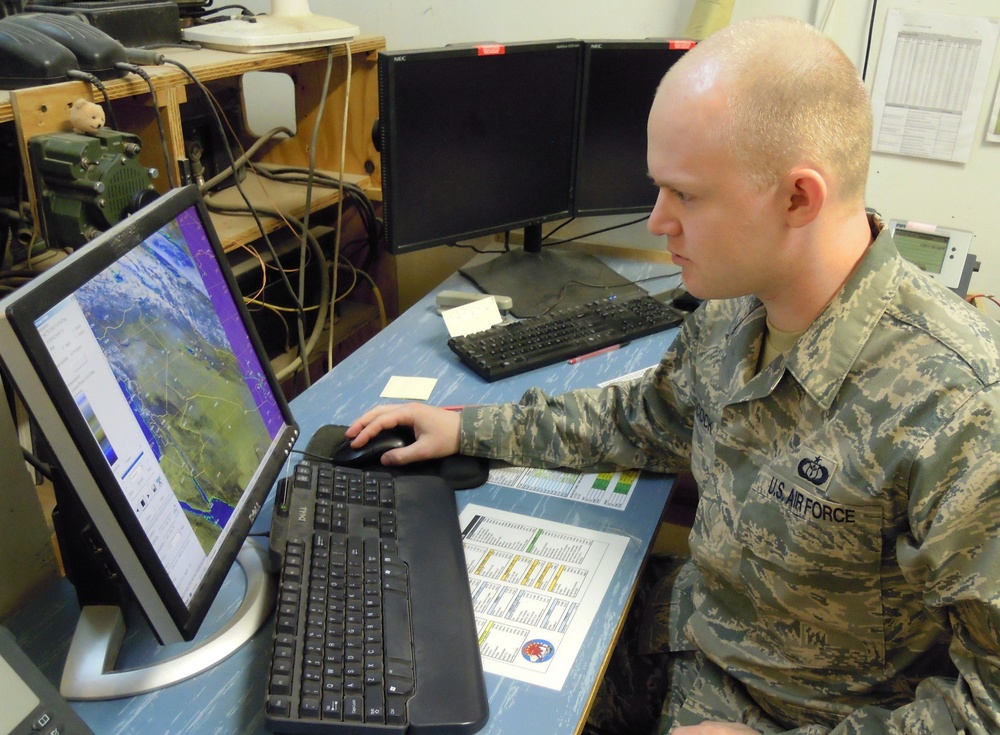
(229,697)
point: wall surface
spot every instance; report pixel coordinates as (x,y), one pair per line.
(961,195)
(27,559)
(411,24)
(956,195)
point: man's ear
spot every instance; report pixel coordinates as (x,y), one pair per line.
(805,193)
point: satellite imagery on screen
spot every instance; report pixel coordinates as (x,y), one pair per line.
(154,320)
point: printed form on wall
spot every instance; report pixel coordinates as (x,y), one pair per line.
(930,84)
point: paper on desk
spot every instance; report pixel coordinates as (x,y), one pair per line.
(606,489)
(627,378)
(476,316)
(413,389)
(536,587)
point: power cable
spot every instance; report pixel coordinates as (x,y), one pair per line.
(141,73)
(236,180)
(305,345)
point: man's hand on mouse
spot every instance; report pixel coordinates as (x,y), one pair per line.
(436,431)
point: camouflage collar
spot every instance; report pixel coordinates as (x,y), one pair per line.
(824,354)
(822,357)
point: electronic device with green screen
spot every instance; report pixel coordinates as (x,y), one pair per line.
(940,251)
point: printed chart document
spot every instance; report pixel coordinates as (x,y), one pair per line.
(930,83)
(607,489)
(536,586)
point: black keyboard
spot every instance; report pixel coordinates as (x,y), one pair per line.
(374,628)
(513,348)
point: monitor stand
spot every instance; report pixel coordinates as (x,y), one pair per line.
(541,279)
(289,25)
(89,671)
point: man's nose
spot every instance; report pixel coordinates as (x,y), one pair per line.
(662,220)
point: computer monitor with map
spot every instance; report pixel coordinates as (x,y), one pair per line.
(138,360)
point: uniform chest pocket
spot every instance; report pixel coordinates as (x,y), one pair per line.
(812,568)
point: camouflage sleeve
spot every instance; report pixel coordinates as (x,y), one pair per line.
(953,551)
(642,424)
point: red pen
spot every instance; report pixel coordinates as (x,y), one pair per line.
(595,353)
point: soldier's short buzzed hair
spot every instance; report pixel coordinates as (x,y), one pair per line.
(793,98)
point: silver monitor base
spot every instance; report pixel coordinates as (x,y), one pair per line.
(89,672)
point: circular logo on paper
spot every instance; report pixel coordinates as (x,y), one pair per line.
(537,651)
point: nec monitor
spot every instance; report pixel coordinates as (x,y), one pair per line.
(476,140)
(137,358)
(620,79)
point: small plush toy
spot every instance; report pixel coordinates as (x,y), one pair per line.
(86,117)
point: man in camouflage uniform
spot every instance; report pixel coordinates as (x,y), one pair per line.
(838,409)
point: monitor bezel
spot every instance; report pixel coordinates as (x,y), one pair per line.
(388,63)
(78,454)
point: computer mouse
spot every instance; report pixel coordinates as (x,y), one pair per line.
(371,453)
(685,301)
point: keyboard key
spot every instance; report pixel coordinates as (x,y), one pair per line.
(395,710)
(374,706)
(354,707)
(333,707)
(309,708)
(278,706)
(396,618)
(281,684)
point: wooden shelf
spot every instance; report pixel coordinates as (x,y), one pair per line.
(353,317)
(40,110)
(207,65)
(237,230)
(344,144)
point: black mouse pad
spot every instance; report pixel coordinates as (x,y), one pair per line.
(459,471)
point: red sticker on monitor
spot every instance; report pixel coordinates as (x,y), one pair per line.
(492,49)
(683,44)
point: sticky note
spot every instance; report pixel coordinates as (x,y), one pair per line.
(412,389)
(476,316)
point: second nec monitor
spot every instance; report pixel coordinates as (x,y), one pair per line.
(620,79)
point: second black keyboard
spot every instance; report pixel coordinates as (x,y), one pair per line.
(374,630)
(513,348)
